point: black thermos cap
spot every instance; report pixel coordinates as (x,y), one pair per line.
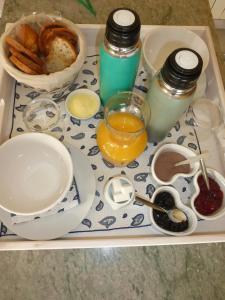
(182,68)
(123,28)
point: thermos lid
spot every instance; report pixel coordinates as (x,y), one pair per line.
(123,28)
(182,68)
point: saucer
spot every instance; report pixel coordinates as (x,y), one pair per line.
(57,225)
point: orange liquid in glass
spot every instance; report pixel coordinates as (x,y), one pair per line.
(120,143)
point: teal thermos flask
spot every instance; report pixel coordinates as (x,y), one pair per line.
(119,53)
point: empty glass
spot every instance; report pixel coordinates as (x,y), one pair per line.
(43,115)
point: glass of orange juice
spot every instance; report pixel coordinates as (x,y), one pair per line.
(122,136)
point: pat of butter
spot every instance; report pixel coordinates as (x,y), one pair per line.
(83,105)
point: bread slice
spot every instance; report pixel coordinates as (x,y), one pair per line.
(61,55)
(20,48)
(21,66)
(52,33)
(45,30)
(26,61)
(28,37)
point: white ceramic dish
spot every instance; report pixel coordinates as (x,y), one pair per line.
(192,220)
(58,225)
(36,173)
(176,148)
(221,181)
(108,191)
(85,109)
(160,42)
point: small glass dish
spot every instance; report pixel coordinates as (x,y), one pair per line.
(41,115)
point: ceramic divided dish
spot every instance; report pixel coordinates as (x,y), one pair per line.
(179,149)
(191,217)
(221,181)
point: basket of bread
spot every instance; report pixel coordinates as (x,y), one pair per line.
(43,52)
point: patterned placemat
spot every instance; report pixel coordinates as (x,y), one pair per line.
(82,134)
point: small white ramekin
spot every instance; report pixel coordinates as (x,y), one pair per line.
(83,92)
(179,149)
(221,181)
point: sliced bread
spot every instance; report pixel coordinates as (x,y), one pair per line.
(26,61)
(20,48)
(21,66)
(28,37)
(61,55)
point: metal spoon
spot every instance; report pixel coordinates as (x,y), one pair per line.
(192,160)
(175,214)
(202,162)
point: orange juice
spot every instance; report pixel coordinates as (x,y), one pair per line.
(121,138)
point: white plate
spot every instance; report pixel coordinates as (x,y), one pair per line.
(58,225)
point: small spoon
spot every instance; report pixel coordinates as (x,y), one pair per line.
(192,160)
(202,162)
(175,214)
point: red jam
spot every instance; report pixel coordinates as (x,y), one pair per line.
(208,201)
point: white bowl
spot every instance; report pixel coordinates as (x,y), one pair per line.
(176,148)
(36,173)
(84,113)
(192,220)
(44,82)
(221,181)
(161,41)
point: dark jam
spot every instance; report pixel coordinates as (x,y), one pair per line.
(208,201)
(166,200)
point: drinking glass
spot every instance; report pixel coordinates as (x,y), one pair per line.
(43,115)
(207,117)
(122,136)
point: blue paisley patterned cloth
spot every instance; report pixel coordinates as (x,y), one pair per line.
(130,220)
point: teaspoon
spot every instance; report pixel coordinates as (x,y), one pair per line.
(175,214)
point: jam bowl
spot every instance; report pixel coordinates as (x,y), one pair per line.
(163,167)
(168,198)
(209,205)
